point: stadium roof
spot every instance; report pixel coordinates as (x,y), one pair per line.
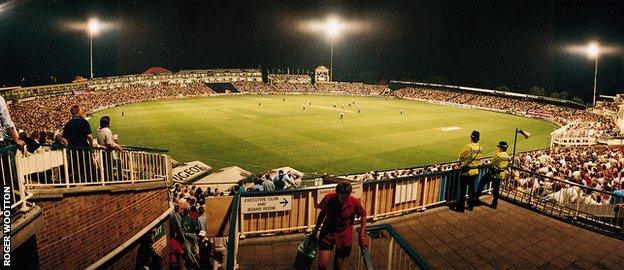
(156,70)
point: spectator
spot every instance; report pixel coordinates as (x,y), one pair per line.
(31,144)
(8,133)
(241,187)
(198,194)
(279,180)
(175,252)
(202,219)
(105,136)
(77,137)
(77,132)
(267,184)
(258,186)
(193,213)
(206,252)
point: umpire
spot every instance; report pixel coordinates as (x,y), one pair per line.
(497,173)
(469,162)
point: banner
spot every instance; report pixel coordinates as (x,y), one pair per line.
(190,171)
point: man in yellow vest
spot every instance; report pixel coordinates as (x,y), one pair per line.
(497,173)
(469,166)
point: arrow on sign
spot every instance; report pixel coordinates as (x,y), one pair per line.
(284,202)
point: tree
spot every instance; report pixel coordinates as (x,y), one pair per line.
(537,91)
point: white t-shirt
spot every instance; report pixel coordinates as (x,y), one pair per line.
(105,137)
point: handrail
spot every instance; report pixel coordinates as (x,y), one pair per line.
(124,147)
(411,252)
(233,233)
(76,166)
(145,149)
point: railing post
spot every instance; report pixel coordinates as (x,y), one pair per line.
(66,166)
(376,202)
(169,169)
(101,160)
(20,184)
(131,165)
(310,219)
(531,192)
(390,244)
(425,193)
(240,226)
(237,238)
(578,202)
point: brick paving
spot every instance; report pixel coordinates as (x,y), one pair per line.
(509,237)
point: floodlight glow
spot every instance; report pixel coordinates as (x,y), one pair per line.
(93,27)
(333,27)
(593,50)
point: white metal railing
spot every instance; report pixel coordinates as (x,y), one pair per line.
(80,167)
(12,182)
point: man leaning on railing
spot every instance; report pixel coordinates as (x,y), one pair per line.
(107,140)
(78,139)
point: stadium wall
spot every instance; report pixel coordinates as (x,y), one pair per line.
(83,225)
(127,259)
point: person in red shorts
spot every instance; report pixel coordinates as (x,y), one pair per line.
(338,211)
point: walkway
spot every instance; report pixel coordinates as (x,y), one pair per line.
(509,237)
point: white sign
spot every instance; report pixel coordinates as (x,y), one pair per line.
(265,204)
(190,171)
(406,192)
(355,192)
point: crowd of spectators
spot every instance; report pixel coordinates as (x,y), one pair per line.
(189,239)
(48,114)
(358,89)
(582,122)
(598,168)
(390,174)
(595,129)
(475,100)
(281,181)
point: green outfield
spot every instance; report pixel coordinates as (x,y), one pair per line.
(235,130)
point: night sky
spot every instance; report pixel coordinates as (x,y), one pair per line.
(518,44)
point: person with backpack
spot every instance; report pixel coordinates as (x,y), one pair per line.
(338,211)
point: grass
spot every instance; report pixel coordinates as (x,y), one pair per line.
(235,130)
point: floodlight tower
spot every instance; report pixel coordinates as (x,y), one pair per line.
(593,50)
(93,28)
(332,28)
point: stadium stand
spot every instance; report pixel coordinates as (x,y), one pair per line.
(47,114)
(584,184)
